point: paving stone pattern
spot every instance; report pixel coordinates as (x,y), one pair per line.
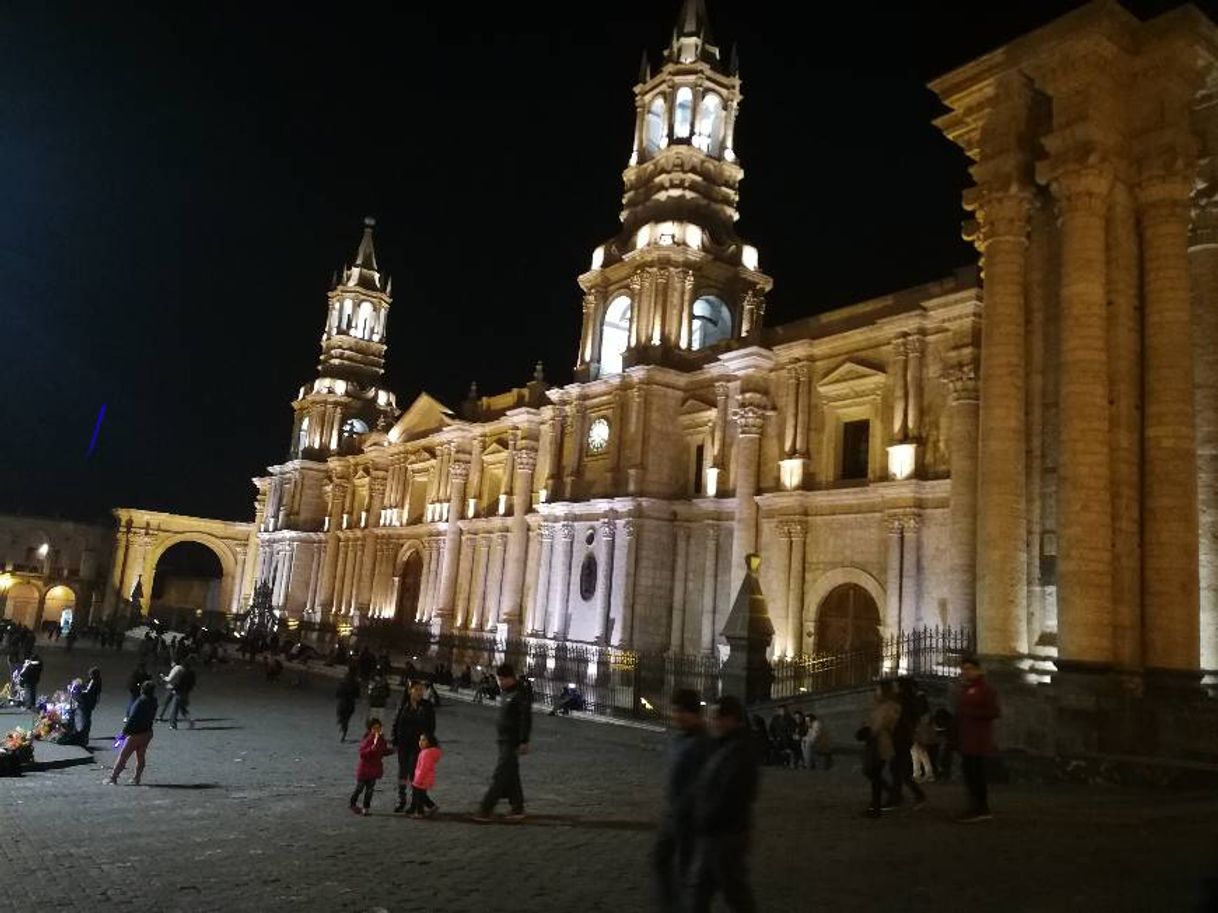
(248,812)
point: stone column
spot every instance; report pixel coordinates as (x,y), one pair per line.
(477,598)
(781,575)
(585,335)
(676,638)
(575,418)
(424,604)
(1084,589)
(1001,502)
(338,499)
(899,353)
(458,472)
(962,510)
(1125,426)
(518,542)
(894,578)
(911,578)
(625,634)
(554,470)
(240,550)
(635,472)
(556,623)
(541,596)
(376,500)
(636,310)
(792,411)
(914,346)
(805,407)
(1203,264)
(465,580)
(710,588)
(687,303)
(797,531)
(749,417)
(1170,526)
(494,582)
(604,585)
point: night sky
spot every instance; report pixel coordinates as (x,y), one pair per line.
(181,180)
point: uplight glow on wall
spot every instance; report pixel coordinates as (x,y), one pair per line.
(901,461)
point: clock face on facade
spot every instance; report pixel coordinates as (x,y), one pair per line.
(598,435)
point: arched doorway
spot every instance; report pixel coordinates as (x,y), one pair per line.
(410,584)
(22,604)
(848,630)
(59,606)
(186,586)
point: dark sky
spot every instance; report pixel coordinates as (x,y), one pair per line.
(180,180)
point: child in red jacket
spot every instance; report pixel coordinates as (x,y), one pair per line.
(372,749)
(421,805)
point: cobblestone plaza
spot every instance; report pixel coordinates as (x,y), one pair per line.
(247,812)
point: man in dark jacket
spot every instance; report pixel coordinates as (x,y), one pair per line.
(86,703)
(976,710)
(416,717)
(346,694)
(688,750)
(512,734)
(723,808)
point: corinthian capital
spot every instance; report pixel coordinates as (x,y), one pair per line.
(567,531)
(459,471)
(961,380)
(1083,189)
(526,460)
(750,412)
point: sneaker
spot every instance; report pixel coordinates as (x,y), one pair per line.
(109,782)
(355,809)
(515,816)
(974,817)
(366,812)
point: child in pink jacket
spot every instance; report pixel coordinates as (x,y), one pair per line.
(371,767)
(421,805)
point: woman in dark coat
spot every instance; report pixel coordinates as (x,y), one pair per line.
(347,694)
(415,717)
(137,733)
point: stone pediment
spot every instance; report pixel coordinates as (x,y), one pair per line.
(425,416)
(696,407)
(851,379)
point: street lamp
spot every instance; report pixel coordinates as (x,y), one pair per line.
(43,549)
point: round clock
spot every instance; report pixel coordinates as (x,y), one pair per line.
(598,435)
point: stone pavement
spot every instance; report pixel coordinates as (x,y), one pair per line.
(248,812)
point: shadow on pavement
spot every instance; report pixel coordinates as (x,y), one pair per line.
(183,785)
(59,764)
(207,728)
(555,821)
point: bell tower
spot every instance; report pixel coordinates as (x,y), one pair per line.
(345,401)
(676,285)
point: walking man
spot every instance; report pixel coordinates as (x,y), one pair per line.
(689,748)
(512,733)
(976,711)
(30,676)
(723,811)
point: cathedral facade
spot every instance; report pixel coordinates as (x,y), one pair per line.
(1033,456)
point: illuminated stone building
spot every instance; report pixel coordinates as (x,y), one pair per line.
(1028,468)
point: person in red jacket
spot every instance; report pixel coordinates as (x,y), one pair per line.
(976,710)
(371,767)
(421,805)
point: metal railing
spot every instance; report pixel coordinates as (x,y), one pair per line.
(638,684)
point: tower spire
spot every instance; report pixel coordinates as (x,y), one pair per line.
(691,37)
(363,272)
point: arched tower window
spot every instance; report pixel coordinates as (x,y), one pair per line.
(708,134)
(683,115)
(365,321)
(712,321)
(656,133)
(352,428)
(615,335)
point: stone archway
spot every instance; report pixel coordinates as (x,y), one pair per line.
(143,536)
(22,602)
(59,599)
(410,585)
(848,621)
(826,584)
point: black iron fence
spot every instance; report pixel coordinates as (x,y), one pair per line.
(638,684)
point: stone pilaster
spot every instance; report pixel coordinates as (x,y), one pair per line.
(556,623)
(803,410)
(541,596)
(962,511)
(749,417)
(710,588)
(518,543)
(893,577)
(604,586)
(676,640)
(911,572)
(797,533)
(897,373)
(1203,266)
(1169,531)
(458,474)
(628,543)
(915,346)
